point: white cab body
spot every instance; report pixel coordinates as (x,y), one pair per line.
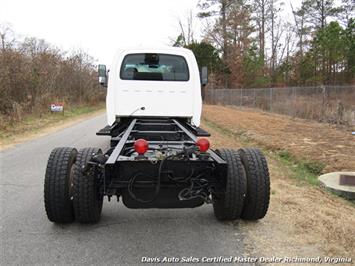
(158,98)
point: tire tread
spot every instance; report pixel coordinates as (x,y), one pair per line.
(230,206)
(258,184)
(58,205)
(87,207)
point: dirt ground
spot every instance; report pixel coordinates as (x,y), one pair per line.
(303,220)
(305,139)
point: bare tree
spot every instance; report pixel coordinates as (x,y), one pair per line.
(347,11)
(6,36)
(261,16)
(277,28)
(187,29)
(300,17)
(208,9)
(34,73)
(321,10)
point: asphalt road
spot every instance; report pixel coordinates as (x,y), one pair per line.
(122,237)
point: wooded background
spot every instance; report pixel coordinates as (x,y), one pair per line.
(34,74)
(251,44)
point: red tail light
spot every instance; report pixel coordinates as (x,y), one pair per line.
(141,146)
(203,145)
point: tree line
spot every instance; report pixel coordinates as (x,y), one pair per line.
(34,74)
(250,43)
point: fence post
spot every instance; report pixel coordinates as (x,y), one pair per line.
(241,97)
(254,98)
(271,89)
(340,111)
(323,102)
(293,102)
(336,93)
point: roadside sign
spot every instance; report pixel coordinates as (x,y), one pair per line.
(57,107)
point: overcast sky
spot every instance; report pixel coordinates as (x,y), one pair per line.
(98,27)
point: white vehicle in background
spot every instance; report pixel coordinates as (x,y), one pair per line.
(156,159)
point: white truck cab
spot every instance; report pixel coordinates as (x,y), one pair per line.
(153,82)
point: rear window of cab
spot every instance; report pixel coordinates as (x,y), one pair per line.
(157,67)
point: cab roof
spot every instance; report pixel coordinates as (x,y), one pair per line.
(155,49)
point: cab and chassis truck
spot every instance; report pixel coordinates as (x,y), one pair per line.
(159,157)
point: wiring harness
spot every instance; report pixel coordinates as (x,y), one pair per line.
(198,188)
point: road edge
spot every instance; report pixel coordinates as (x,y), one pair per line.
(49,129)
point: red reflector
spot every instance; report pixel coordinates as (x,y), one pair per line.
(141,146)
(203,145)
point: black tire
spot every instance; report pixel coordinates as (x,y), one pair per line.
(87,202)
(57,185)
(258,184)
(230,204)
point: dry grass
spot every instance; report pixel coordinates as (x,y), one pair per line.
(35,126)
(306,103)
(302,221)
(303,139)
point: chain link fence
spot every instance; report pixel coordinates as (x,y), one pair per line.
(332,104)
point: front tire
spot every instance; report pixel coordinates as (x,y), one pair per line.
(57,185)
(87,201)
(258,184)
(229,205)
